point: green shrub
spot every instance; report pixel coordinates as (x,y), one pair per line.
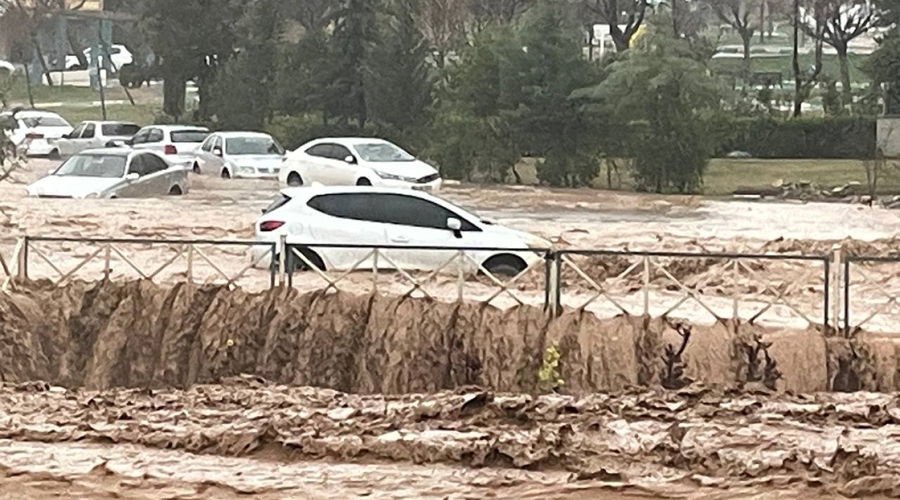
(830,137)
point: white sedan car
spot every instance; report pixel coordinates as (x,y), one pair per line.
(390,217)
(357,162)
(178,143)
(37,132)
(112,173)
(240,154)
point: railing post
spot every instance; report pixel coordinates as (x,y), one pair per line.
(190,264)
(646,287)
(282,258)
(375,270)
(554,282)
(23,260)
(460,275)
(839,291)
(106,262)
(736,290)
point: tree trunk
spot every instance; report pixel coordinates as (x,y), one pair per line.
(798,80)
(746,38)
(762,22)
(40,55)
(76,49)
(846,91)
(174,92)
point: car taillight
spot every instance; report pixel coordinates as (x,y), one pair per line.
(34,136)
(270,225)
(170,150)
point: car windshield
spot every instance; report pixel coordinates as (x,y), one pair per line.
(106,166)
(189,136)
(382,151)
(119,129)
(253,146)
(44,121)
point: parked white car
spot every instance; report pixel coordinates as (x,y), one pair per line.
(178,143)
(37,132)
(359,162)
(380,217)
(112,173)
(96,134)
(119,56)
(7,68)
(240,154)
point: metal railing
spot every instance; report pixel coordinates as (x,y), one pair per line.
(843,293)
(873,279)
(652,278)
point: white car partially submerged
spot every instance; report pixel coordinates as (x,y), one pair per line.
(232,155)
(37,133)
(112,173)
(357,162)
(372,217)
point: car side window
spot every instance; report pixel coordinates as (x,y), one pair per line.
(141,137)
(355,206)
(156,135)
(88,131)
(413,211)
(220,145)
(208,144)
(320,150)
(137,165)
(339,152)
(153,164)
(77,132)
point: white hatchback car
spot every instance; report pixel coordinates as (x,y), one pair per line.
(96,134)
(37,132)
(240,154)
(178,143)
(390,217)
(357,162)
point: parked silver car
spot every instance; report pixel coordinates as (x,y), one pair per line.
(177,143)
(240,154)
(96,134)
(113,173)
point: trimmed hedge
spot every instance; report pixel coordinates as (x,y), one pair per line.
(830,137)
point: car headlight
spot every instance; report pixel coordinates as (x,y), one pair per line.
(392,177)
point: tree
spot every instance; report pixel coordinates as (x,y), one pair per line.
(443,22)
(737,14)
(485,12)
(398,93)
(242,91)
(614,14)
(311,14)
(541,76)
(837,23)
(354,32)
(661,90)
(805,81)
(29,15)
(193,38)
(884,68)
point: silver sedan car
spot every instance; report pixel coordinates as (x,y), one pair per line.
(113,173)
(240,154)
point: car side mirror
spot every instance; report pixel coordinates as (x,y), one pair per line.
(217,151)
(350,159)
(455,225)
(132,176)
(129,142)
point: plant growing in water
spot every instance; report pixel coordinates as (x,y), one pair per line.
(549,379)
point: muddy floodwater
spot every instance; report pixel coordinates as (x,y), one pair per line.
(361,395)
(248,437)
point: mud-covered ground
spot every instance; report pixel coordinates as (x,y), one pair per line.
(248,437)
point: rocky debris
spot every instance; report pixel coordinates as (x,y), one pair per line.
(851,192)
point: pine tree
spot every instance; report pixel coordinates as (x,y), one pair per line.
(354,31)
(399,86)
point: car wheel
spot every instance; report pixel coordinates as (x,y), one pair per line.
(175,191)
(509,266)
(54,155)
(196,168)
(294,263)
(364,182)
(294,180)
(226,174)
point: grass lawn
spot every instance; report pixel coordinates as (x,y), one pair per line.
(141,114)
(726,175)
(831,66)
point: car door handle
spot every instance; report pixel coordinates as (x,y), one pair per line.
(400,239)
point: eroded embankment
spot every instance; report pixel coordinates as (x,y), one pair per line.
(138,334)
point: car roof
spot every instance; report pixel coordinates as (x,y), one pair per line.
(232,134)
(350,141)
(178,128)
(310,191)
(107,152)
(31,113)
(109,122)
